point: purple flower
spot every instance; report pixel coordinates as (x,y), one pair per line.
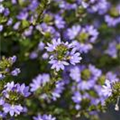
(1,8)
(73,32)
(75,74)
(44,117)
(13,59)
(39,81)
(41,45)
(22,15)
(112,77)
(45,29)
(10,86)
(59,87)
(10,21)
(20,89)
(84,37)
(2,102)
(15,72)
(86,85)
(1,76)
(28,32)
(24,90)
(107,89)
(12,109)
(14,1)
(77,97)
(75,57)
(59,22)
(16,25)
(1,27)
(112,51)
(58,64)
(63,54)
(6,12)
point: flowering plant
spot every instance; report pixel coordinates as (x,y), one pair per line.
(59,59)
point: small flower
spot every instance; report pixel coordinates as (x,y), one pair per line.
(62,54)
(12,109)
(24,90)
(77,98)
(15,72)
(19,89)
(44,117)
(58,64)
(73,32)
(59,22)
(75,57)
(107,89)
(1,27)
(13,59)
(59,87)
(1,8)
(39,81)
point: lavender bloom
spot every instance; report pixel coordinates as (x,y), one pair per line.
(77,98)
(39,81)
(48,117)
(59,87)
(111,21)
(6,12)
(1,27)
(28,32)
(44,117)
(58,64)
(20,89)
(79,73)
(12,109)
(2,76)
(15,72)
(10,86)
(33,55)
(24,90)
(14,1)
(59,22)
(41,46)
(2,114)
(96,72)
(73,32)
(112,77)
(62,53)
(112,51)
(16,25)
(10,21)
(107,89)
(93,6)
(66,6)
(2,101)
(75,74)
(45,29)
(75,57)
(33,5)
(13,59)
(85,36)
(45,56)
(22,15)
(1,8)
(83,48)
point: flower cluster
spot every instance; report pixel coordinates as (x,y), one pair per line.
(62,54)
(65,57)
(10,97)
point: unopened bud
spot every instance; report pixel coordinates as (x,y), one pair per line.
(116,107)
